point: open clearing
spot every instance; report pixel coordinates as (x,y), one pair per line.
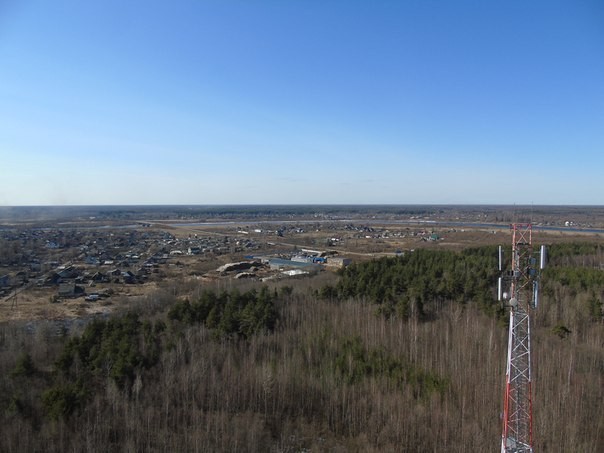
(128,260)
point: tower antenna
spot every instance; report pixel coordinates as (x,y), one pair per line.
(523,297)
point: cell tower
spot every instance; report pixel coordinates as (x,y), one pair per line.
(523,296)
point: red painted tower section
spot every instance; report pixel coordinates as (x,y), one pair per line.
(523,280)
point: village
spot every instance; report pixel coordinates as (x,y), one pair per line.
(93,264)
(84,269)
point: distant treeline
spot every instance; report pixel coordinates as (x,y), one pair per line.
(502,213)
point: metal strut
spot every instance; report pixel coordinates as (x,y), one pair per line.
(517,436)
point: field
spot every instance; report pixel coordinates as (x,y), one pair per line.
(197,341)
(357,233)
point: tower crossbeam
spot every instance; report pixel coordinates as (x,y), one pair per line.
(523,279)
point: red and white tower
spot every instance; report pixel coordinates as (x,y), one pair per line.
(523,296)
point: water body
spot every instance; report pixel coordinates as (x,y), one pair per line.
(496,226)
(225,223)
(91,227)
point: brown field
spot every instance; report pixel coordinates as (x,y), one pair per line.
(361,239)
(335,374)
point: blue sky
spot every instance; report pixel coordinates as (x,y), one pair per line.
(316,101)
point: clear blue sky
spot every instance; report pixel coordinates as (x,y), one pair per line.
(314,101)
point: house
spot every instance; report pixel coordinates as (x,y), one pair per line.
(302,259)
(69,272)
(52,279)
(21,278)
(129,278)
(4,281)
(159,259)
(338,261)
(280,263)
(70,290)
(92,261)
(295,272)
(67,289)
(99,277)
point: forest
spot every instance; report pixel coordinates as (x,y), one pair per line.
(394,354)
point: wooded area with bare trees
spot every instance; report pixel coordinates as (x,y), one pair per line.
(398,354)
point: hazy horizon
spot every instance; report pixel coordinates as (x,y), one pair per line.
(301,103)
(157,205)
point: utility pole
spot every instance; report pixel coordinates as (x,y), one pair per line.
(523,297)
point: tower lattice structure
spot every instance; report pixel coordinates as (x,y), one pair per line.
(523,279)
